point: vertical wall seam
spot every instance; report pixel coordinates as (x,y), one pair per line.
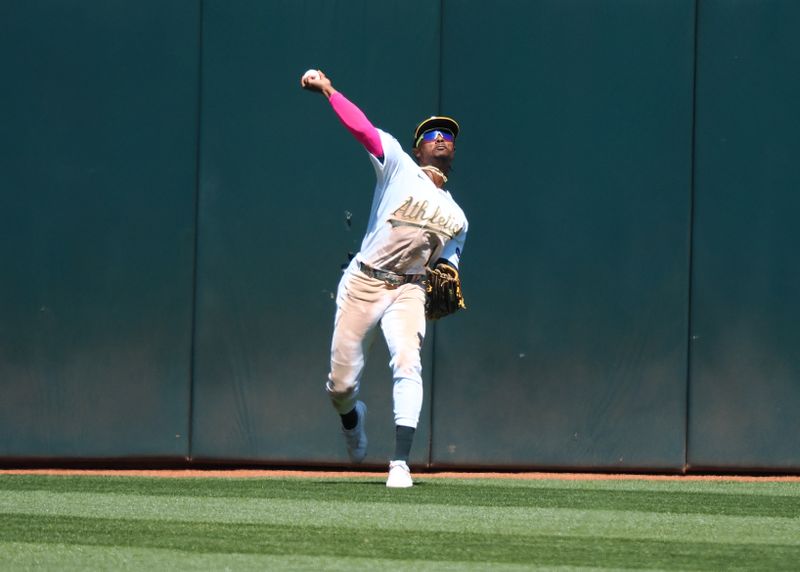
(692,190)
(440,59)
(433,327)
(198,156)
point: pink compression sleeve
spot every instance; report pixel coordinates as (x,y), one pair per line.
(357,123)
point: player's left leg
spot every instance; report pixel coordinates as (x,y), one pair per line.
(403,326)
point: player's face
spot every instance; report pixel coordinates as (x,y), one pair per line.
(435,146)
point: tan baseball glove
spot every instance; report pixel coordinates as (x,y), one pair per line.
(443,292)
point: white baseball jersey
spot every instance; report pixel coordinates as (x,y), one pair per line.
(412,222)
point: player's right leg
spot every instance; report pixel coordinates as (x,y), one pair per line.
(360,303)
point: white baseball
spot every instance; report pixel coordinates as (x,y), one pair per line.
(311,74)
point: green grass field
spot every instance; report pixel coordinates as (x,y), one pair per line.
(70,523)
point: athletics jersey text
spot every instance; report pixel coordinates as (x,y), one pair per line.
(415,213)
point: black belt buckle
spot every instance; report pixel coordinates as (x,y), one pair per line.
(389,278)
(392,279)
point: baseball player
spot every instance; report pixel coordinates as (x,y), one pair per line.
(414,225)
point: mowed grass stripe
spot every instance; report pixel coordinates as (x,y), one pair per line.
(401,517)
(26,556)
(441,492)
(409,545)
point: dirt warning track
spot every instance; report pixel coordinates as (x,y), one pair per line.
(276,473)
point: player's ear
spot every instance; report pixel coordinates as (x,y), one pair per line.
(416,152)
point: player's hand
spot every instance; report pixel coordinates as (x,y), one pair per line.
(321,84)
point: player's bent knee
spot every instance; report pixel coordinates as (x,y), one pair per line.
(343,381)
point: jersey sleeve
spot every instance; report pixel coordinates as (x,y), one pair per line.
(455,246)
(393,155)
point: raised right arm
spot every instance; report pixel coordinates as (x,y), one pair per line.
(349,114)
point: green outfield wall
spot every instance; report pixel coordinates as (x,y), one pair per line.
(744,389)
(97,226)
(175,212)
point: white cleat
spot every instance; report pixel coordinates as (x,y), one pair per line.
(399,476)
(356,437)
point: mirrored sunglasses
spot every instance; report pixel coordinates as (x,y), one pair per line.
(431,135)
